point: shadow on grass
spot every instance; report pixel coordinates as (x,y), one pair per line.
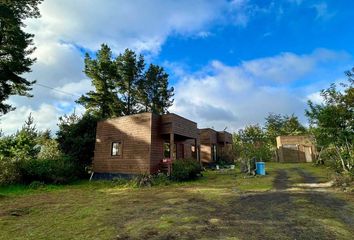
(269,215)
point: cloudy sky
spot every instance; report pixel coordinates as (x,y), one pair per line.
(231,62)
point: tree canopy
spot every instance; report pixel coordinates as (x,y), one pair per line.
(277,125)
(122,86)
(15,49)
(332,121)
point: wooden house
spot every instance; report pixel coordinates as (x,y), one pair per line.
(295,149)
(137,143)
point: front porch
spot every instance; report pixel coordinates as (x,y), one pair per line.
(179,135)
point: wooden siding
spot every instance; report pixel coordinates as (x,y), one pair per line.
(208,137)
(224,137)
(156,143)
(295,151)
(135,134)
(172,123)
(142,137)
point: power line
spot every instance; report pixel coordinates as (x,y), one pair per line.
(57,90)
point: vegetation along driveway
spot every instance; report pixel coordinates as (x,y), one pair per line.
(291,202)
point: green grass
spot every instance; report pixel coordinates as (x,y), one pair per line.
(220,205)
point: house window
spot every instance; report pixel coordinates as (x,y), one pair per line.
(116,149)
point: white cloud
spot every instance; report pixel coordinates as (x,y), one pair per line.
(322,11)
(315,98)
(45,117)
(73,89)
(287,67)
(69,28)
(141,25)
(235,96)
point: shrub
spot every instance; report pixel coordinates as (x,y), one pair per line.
(343,180)
(49,149)
(185,169)
(9,172)
(77,137)
(36,185)
(161,179)
(143,180)
(61,170)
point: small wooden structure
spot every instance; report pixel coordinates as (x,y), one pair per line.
(295,149)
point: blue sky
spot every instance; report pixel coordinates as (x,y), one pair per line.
(231,62)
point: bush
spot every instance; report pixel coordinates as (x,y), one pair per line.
(9,172)
(61,170)
(161,179)
(77,137)
(343,180)
(185,169)
(36,185)
(143,180)
(49,149)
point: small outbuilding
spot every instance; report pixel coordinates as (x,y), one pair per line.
(295,149)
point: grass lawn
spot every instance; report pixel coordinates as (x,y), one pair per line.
(220,205)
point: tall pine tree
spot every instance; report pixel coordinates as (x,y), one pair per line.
(123,87)
(156,96)
(130,69)
(15,48)
(103,102)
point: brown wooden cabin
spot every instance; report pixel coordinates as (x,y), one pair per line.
(137,143)
(295,149)
(213,144)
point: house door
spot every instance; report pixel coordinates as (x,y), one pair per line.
(308,154)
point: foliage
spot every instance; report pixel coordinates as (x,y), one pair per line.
(278,125)
(185,169)
(130,69)
(61,170)
(15,49)
(155,95)
(332,122)
(36,185)
(103,102)
(9,173)
(251,142)
(76,138)
(248,166)
(123,87)
(143,180)
(23,144)
(343,180)
(161,179)
(49,149)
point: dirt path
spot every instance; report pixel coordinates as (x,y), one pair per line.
(297,214)
(281,181)
(306,176)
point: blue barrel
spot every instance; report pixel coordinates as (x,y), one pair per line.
(260,168)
